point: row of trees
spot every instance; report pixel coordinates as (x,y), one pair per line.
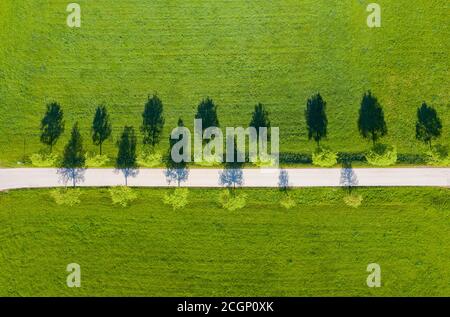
(371,121)
(74,156)
(371,124)
(53,124)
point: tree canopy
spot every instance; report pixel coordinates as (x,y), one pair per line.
(428,126)
(52,125)
(74,154)
(207,111)
(101,127)
(316,118)
(260,119)
(371,122)
(176,172)
(126,160)
(172,142)
(73,160)
(152,121)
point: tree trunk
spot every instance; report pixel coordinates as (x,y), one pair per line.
(126,181)
(100,148)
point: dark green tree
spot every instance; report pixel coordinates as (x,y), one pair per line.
(176,171)
(428,126)
(207,111)
(126,160)
(260,119)
(101,127)
(316,118)
(152,121)
(180,124)
(52,125)
(73,161)
(172,142)
(371,122)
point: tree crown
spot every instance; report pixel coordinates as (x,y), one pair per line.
(260,118)
(126,157)
(316,118)
(152,120)
(428,126)
(52,124)
(207,111)
(371,121)
(74,154)
(101,126)
(170,164)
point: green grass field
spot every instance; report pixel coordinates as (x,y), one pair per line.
(321,247)
(237,52)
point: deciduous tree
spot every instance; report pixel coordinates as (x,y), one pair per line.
(52,125)
(371,122)
(260,119)
(101,127)
(316,118)
(152,121)
(207,112)
(126,158)
(176,171)
(73,161)
(428,126)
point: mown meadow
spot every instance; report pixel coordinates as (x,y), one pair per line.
(239,53)
(320,247)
